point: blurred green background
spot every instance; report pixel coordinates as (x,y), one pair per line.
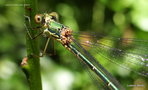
(121,18)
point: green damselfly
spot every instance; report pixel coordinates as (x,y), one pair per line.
(51,28)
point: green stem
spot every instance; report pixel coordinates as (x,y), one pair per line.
(31,67)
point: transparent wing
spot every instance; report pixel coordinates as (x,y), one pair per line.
(127,53)
(97,80)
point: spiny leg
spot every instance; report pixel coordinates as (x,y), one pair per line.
(45,48)
(54,51)
(52,48)
(28,18)
(28,33)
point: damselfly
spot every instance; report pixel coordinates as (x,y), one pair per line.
(136,62)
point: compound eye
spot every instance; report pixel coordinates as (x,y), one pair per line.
(54,16)
(38,18)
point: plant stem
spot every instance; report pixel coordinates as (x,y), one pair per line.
(31,67)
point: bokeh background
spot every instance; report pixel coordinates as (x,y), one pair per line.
(121,18)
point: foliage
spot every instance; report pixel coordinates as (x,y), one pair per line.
(120,18)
